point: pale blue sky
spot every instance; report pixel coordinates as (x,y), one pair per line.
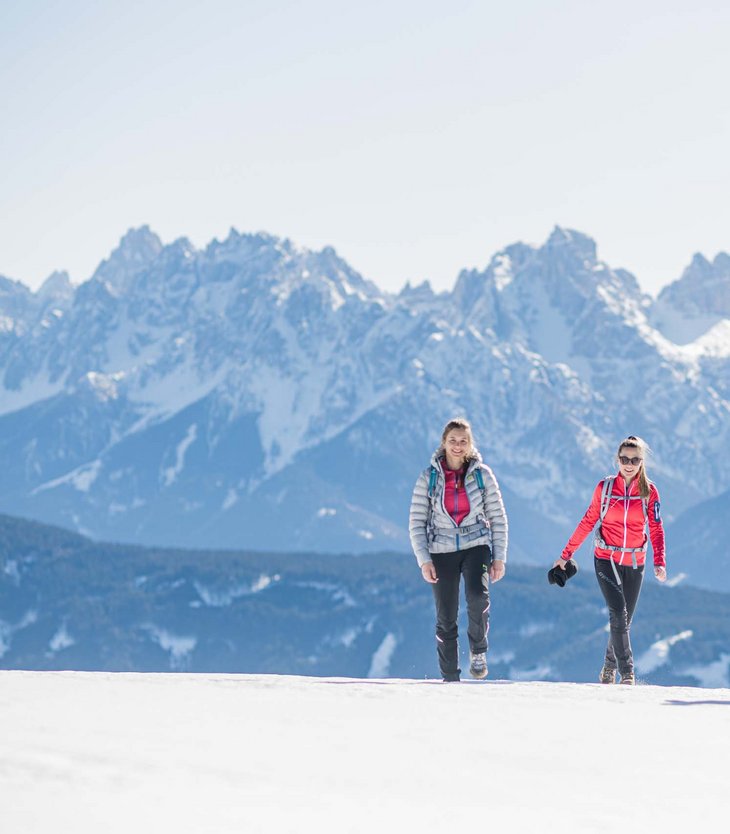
(417,138)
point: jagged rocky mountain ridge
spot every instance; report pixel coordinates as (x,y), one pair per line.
(258,394)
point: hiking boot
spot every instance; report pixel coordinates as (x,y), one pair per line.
(478,666)
(607,675)
(628,679)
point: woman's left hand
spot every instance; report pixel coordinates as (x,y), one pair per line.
(660,573)
(496,570)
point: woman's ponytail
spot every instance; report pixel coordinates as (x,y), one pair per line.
(644,485)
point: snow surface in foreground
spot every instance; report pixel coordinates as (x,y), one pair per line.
(91,752)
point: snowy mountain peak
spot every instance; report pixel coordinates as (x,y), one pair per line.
(699,267)
(138,246)
(696,302)
(141,243)
(722,263)
(183,246)
(235,239)
(9,287)
(136,250)
(708,281)
(576,243)
(57,286)
(249,252)
(416,292)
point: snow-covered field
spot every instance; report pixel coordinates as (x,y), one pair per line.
(170,753)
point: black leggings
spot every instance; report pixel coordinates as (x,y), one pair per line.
(621,600)
(473,563)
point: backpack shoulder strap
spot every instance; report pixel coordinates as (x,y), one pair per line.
(606,495)
(645,506)
(480,478)
(432,481)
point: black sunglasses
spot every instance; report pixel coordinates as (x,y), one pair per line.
(626,461)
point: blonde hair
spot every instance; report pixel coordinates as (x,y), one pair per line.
(462,424)
(633,442)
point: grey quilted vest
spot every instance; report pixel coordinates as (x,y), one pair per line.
(433,530)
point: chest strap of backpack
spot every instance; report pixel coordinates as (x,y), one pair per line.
(606,497)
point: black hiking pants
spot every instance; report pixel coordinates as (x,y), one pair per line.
(621,600)
(473,563)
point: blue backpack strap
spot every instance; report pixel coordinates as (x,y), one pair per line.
(480,483)
(432,481)
(480,479)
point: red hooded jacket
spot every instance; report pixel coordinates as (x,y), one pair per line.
(623,524)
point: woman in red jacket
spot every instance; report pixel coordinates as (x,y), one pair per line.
(624,505)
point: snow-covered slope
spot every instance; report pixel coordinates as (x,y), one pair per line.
(258,394)
(218,753)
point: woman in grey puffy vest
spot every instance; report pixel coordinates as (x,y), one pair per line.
(458,527)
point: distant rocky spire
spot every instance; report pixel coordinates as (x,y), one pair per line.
(137,249)
(57,286)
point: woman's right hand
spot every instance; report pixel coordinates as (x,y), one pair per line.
(429,572)
(559,563)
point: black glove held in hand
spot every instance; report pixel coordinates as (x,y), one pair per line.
(558,576)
